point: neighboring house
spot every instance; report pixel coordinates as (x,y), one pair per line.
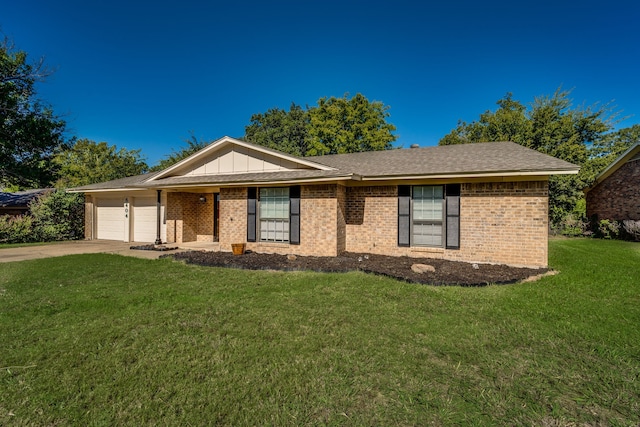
(483,202)
(17,203)
(615,194)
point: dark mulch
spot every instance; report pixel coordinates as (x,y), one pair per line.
(446,272)
(161,248)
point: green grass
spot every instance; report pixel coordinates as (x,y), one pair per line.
(110,340)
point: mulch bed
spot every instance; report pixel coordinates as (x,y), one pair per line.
(446,272)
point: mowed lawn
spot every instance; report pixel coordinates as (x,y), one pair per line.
(112,340)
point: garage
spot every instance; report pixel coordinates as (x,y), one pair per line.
(110,216)
(144,216)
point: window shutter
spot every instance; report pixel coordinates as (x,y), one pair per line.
(453,216)
(294,215)
(404,215)
(252,205)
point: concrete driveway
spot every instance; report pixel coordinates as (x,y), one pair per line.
(75,247)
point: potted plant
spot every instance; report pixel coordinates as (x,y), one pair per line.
(238,248)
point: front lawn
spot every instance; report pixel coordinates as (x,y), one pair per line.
(112,340)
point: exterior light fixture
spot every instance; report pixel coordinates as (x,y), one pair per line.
(203,199)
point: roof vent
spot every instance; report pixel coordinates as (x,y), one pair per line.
(415,146)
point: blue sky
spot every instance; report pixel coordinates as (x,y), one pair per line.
(144,74)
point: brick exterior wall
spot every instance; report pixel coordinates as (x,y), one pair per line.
(188,219)
(233,217)
(618,196)
(503,222)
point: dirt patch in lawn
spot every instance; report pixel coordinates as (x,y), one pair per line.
(444,272)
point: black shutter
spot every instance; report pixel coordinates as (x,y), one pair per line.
(294,215)
(252,207)
(453,216)
(404,215)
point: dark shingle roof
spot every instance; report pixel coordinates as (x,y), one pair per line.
(21,198)
(488,158)
(463,159)
(127,182)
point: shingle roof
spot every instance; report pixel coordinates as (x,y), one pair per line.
(489,158)
(463,159)
(127,182)
(20,198)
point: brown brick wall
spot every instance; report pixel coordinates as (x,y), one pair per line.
(618,196)
(233,217)
(188,219)
(372,219)
(500,223)
(319,222)
(504,223)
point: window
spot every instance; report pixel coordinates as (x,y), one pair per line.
(274,214)
(427,215)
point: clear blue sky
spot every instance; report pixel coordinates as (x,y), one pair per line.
(143,74)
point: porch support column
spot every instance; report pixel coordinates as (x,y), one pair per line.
(158,206)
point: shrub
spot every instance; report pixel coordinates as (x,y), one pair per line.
(632,228)
(54,216)
(58,216)
(16,229)
(608,229)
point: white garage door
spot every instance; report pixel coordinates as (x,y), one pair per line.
(110,219)
(145,217)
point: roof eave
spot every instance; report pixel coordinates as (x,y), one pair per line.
(470,175)
(243,183)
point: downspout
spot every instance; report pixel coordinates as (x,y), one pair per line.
(158,206)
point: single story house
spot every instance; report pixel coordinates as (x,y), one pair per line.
(615,193)
(484,203)
(17,203)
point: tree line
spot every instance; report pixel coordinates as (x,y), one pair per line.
(35,151)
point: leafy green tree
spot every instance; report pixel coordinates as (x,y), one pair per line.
(342,125)
(193,146)
(29,130)
(89,162)
(335,125)
(282,130)
(552,126)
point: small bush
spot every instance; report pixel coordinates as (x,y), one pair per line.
(16,229)
(608,229)
(632,228)
(572,225)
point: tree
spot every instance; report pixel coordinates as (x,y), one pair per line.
(193,146)
(29,131)
(335,125)
(341,125)
(88,162)
(552,126)
(281,130)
